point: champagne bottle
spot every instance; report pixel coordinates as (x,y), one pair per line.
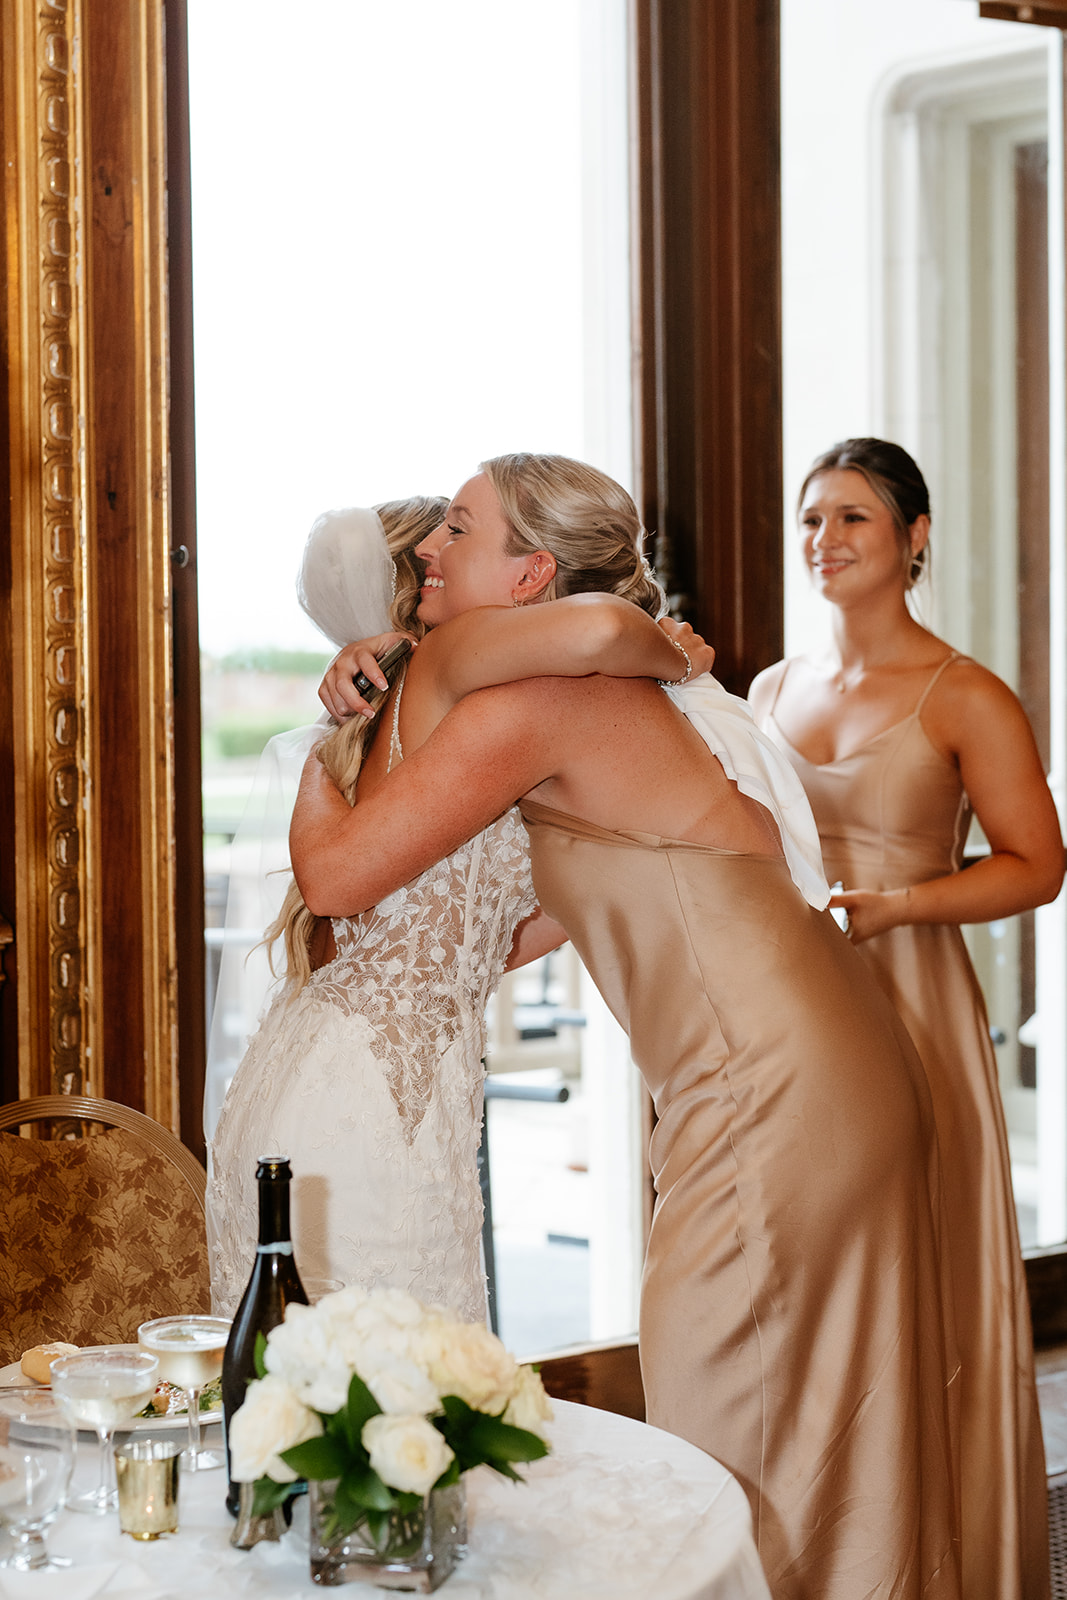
(274,1284)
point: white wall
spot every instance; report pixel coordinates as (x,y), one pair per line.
(836,58)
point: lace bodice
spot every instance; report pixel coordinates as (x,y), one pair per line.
(421,965)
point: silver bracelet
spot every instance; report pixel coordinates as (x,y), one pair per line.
(676,683)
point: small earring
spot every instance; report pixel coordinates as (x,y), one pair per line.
(517,601)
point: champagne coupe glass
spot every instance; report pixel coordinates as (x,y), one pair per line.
(101,1387)
(36,1457)
(189,1351)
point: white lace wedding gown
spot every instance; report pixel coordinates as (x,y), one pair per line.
(370,1081)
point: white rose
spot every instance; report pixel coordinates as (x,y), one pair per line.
(407,1453)
(389,1317)
(529,1406)
(271,1419)
(399,1384)
(304,1352)
(465,1359)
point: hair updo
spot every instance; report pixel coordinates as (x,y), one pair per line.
(892,474)
(583,518)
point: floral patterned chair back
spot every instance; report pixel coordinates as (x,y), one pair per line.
(100,1231)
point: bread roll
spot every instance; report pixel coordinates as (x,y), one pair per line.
(37,1363)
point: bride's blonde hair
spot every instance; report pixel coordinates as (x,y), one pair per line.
(406,524)
(583,518)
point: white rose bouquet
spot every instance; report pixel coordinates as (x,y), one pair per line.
(386,1396)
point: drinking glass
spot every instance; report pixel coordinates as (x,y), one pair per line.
(36,1457)
(100,1388)
(190,1352)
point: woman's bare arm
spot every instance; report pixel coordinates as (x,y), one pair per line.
(534,938)
(470,769)
(979,721)
(566,638)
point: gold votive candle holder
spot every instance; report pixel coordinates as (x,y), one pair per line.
(147,1475)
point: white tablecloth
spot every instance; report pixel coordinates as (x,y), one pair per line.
(619,1511)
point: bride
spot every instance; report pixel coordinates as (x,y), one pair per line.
(367,1069)
(794,1317)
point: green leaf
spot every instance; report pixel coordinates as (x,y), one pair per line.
(378,1523)
(450,1475)
(259,1354)
(348,1512)
(364,1487)
(501,1442)
(457,1411)
(359,1408)
(476,1437)
(317,1458)
(269,1494)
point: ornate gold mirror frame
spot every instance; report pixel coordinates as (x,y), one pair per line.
(89,725)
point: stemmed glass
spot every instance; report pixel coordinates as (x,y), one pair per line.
(36,1457)
(100,1388)
(189,1351)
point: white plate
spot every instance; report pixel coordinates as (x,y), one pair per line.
(13,1377)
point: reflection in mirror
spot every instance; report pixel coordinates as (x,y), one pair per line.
(426,263)
(917,220)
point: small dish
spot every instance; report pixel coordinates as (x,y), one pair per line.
(13,1377)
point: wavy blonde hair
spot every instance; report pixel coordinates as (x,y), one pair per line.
(583,518)
(406,524)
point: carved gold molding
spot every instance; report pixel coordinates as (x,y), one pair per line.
(48,547)
(66,384)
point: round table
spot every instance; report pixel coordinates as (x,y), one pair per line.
(618,1511)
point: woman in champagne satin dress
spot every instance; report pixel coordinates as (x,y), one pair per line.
(895,736)
(794,1319)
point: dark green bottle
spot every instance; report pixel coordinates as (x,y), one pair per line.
(274,1284)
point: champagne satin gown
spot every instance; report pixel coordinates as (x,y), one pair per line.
(793,1315)
(895,813)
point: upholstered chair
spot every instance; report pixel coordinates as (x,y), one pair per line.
(101,1230)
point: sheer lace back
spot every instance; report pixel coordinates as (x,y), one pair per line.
(422,964)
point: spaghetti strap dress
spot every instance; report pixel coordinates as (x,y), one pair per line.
(895,813)
(793,1314)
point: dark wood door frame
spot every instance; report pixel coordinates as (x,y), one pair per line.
(708,392)
(188,799)
(1046,1270)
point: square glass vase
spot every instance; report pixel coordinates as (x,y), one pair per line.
(416,1552)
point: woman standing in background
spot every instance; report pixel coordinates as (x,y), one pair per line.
(897,739)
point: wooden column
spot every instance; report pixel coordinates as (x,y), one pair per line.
(87,736)
(708,317)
